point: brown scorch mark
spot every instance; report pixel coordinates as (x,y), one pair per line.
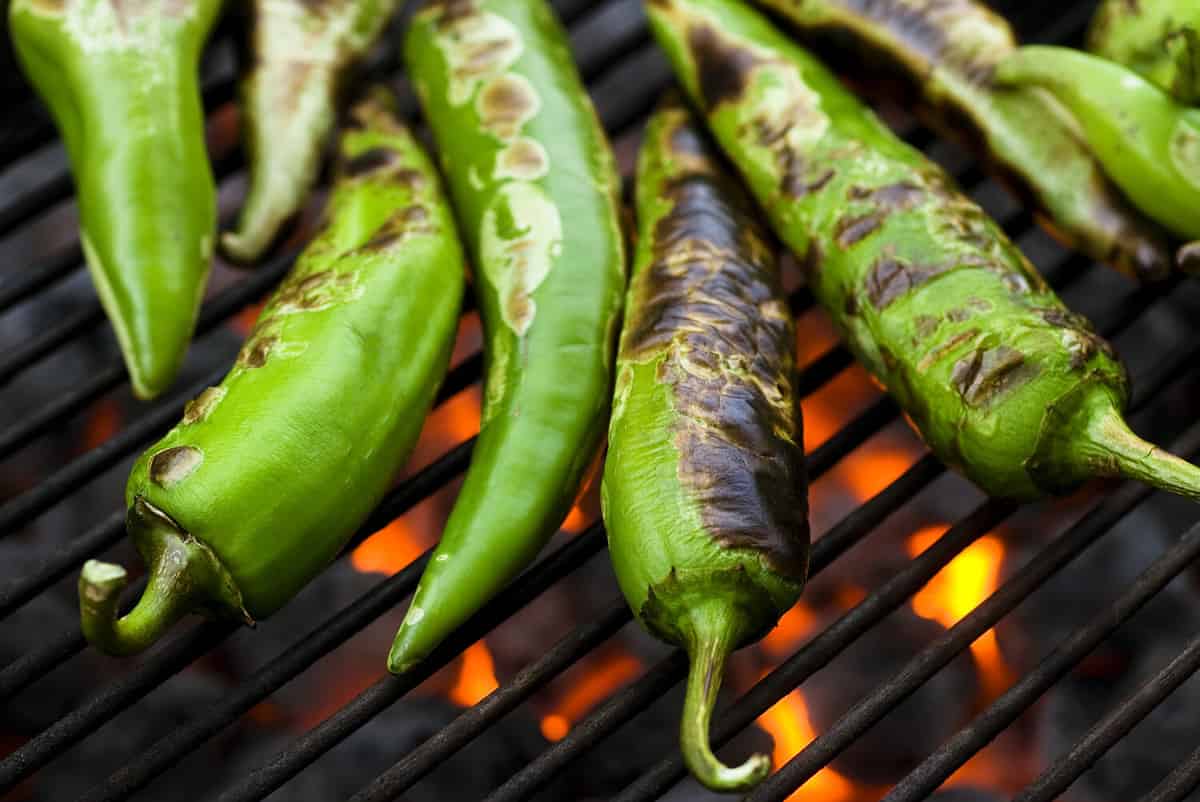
(985,374)
(892,277)
(171,466)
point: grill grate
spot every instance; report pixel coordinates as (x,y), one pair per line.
(625,75)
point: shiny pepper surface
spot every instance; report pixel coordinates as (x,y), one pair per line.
(270,473)
(704,486)
(1002,381)
(121,81)
(948,49)
(535,188)
(301,54)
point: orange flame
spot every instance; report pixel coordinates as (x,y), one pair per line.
(958,589)
(476,677)
(792,730)
(576,521)
(872,468)
(796,624)
(389,550)
(584,694)
(244,320)
(102,423)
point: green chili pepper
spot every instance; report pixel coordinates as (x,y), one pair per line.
(704,487)
(270,473)
(301,53)
(1160,39)
(1001,380)
(121,80)
(535,188)
(1147,141)
(948,48)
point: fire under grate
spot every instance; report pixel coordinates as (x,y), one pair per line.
(57,322)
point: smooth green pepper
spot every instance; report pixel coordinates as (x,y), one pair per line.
(270,473)
(704,487)
(300,56)
(1160,39)
(1002,381)
(121,80)
(535,188)
(948,49)
(1147,141)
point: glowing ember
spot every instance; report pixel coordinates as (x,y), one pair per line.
(389,550)
(791,729)
(244,320)
(476,677)
(595,685)
(958,589)
(102,423)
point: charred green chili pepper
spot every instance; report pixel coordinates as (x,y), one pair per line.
(267,475)
(1160,39)
(301,53)
(704,487)
(535,188)
(1002,381)
(121,80)
(949,48)
(1147,141)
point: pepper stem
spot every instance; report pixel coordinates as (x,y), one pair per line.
(184,576)
(711,633)
(1087,437)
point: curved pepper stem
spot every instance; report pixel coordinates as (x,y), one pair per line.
(713,634)
(185,576)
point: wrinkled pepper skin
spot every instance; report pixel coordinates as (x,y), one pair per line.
(270,473)
(704,491)
(1159,39)
(301,53)
(948,49)
(535,187)
(1147,141)
(1002,381)
(121,80)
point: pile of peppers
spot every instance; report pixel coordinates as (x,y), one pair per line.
(683,352)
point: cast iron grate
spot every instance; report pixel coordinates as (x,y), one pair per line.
(625,75)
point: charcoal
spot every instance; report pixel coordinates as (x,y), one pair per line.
(966,795)
(894,746)
(1149,752)
(1081,590)
(128,735)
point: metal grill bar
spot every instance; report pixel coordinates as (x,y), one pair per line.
(1125,717)
(1179,783)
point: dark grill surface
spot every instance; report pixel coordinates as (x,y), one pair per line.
(625,75)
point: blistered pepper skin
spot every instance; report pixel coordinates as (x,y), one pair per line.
(535,188)
(1147,141)
(1159,39)
(269,473)
(704,490)
(120,79)
(1002,381)
(949,49)
(301,54)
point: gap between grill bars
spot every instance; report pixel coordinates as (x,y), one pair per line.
(625,75)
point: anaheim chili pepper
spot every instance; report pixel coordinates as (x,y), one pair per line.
(270,473)
(1160,39)
(1147,141)
(535,187)
(704,487)
(1002,381)
(948,49)
(121,81)
(301,55)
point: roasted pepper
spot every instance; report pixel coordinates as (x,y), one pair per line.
(1160,39)
(704,488)
(949,48)
(1002,381)
(535,187)
(300,54)
(121,80)
(269,473)
(1147,141)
